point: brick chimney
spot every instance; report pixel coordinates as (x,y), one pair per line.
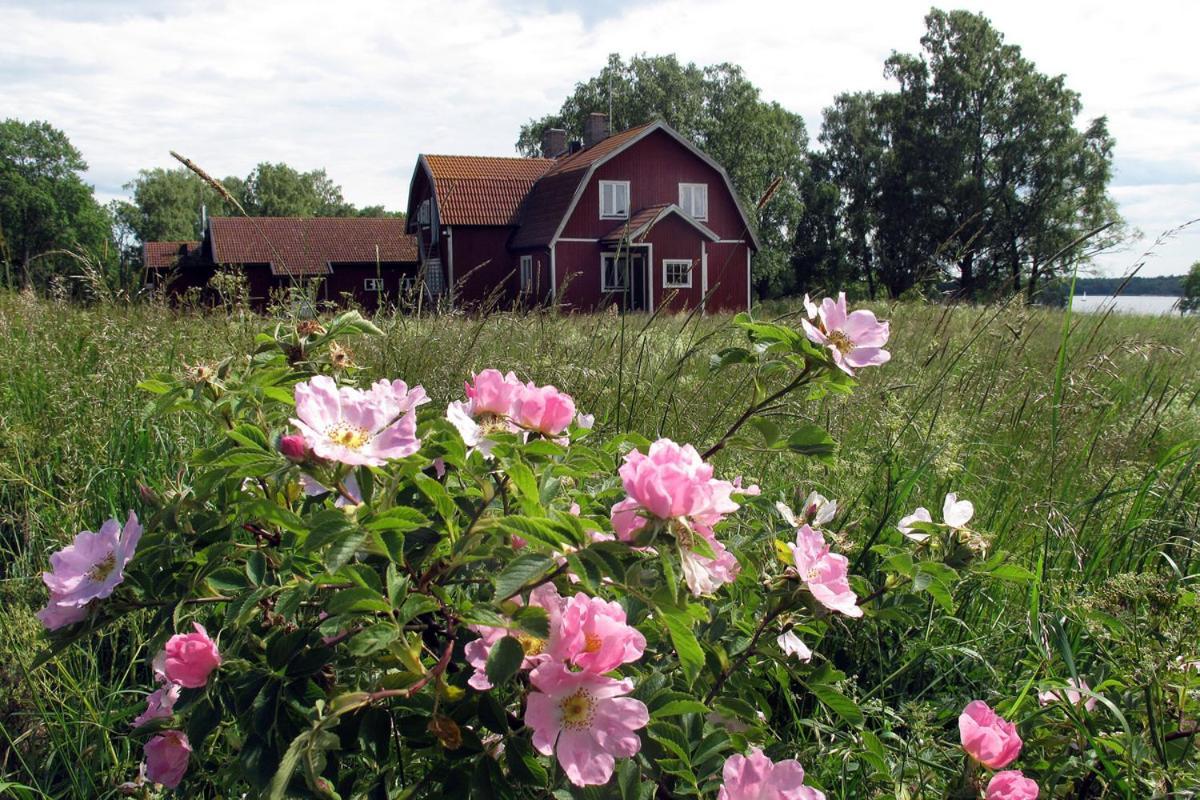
(595,129)
(554,142)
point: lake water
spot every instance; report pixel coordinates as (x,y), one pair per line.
(1145,304)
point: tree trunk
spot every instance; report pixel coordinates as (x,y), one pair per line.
(1031,287)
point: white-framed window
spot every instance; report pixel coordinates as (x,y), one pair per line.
(526,273)
(693,199)
(373,284)
(614,199)
(614,273)
(677,273)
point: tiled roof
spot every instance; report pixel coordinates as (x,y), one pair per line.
(636,228)
(164,255)
(295,246)
(483,190)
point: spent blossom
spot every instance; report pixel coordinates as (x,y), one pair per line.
(585,720)
(792,645)
(355,426)
(988,737)
(167,758)
(159,704)
(757,777)
(855,339)
(1074,694)
(89,568)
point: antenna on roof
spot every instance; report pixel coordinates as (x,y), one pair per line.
(611,120)
(203,219)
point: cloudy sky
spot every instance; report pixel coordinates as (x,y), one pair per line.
(361,88)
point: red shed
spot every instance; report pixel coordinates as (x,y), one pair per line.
(643,219)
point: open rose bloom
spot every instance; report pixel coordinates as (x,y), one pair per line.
(491,395)
(357,427)
(756,777)
(88,569)
(826,574)
(987,737)
(955,513)
(585,720)
(855,339)
(1012,785)
(593,636)
(477,651)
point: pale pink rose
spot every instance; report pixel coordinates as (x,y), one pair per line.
(167,758)
(159,704)
(492,392)
(1012,785)
(752,490)
(89,568)
(791,645)
(987,737)
(1074,696)
(543,409)
(189,658)
(855,340)
(585,720)
(536,650)
(957,513)
(293,447)
(756,777)
(817,510)
(586,421)
(905,525)
(314,488)
(705,575)
(357,427)
(593,635)
(825,573)
(439,467)
(811,309)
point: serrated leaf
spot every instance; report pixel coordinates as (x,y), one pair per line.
(677,707)
(679,628)
(520,571)
(812,440)
(838,703)
(504,660)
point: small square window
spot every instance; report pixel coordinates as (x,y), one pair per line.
(693,199)
(677,274)
(614,199)
(526,273)
(373,284)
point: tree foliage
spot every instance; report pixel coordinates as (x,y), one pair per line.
(1190,302)
(722,112)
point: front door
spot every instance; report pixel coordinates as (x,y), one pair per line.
(624,280)
(637,282)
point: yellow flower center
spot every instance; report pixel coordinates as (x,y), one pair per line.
(577,710)
(347,435)
(491,423)
(841,341)
(592,643)
(103,568)
(532,645)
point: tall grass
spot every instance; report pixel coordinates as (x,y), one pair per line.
(1082,472)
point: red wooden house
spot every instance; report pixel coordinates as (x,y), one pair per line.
(642,219)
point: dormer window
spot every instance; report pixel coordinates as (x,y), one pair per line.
(614,199)
(693,199)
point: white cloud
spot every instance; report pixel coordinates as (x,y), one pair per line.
(362,87)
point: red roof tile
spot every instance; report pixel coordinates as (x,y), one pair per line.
(483,190)
(164,255)
(295,246)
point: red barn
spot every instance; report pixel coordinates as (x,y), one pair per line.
(643,219)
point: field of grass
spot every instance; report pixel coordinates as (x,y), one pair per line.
(1081,462)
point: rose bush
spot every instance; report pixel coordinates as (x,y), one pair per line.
(364,593)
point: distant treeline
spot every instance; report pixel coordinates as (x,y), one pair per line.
(1170,285)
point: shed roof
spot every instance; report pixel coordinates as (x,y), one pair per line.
(164,255)
(482,190)
(309,246)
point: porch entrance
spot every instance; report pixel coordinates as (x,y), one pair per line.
(625,279)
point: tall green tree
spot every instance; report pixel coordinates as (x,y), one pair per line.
(720,110)
(47,210)
(1190,301)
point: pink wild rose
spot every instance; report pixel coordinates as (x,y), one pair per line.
(672,481)
(293,447)
(89,568)
(159,704)
(702,574)
(987,737)
(756,777)
(167,758)
(491,392)
(536,650)
(855,340)
(189,658)
(585,720)
(825,573)
(1073,694)
(593,635)
(543,409)
(355,426)
(1011,785)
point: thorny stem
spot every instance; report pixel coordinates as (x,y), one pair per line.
(754,409)
(742,658)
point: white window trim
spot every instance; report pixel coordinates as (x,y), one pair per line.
(687,263)
(372,284)
(526,273)
(604,287)
(694,187)
(602,184)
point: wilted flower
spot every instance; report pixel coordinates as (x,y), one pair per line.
(987,737)
(855,340)
(159,704)
(756,777)
(1012,785)
(826,574)
(791,645)
(340,357)
(167,758)
(585,720)
(1073,693)
(89,568)
(359,427)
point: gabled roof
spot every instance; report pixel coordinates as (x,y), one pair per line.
(556,194)
(309,246)
(481,190)
(165,255)
(636,228)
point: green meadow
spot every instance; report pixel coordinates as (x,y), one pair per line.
(1077,438)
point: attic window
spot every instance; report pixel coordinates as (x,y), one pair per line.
(614,199)
(693,199)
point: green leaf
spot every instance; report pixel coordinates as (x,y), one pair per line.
(838,703)
(250,436)
(504,660)
(520,571)
(273,514)
(678,707)
(767,428)
(400,518)
(1012,572)
(355,599)
(812,440)
(679,627)
(533,620)
(155,386)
